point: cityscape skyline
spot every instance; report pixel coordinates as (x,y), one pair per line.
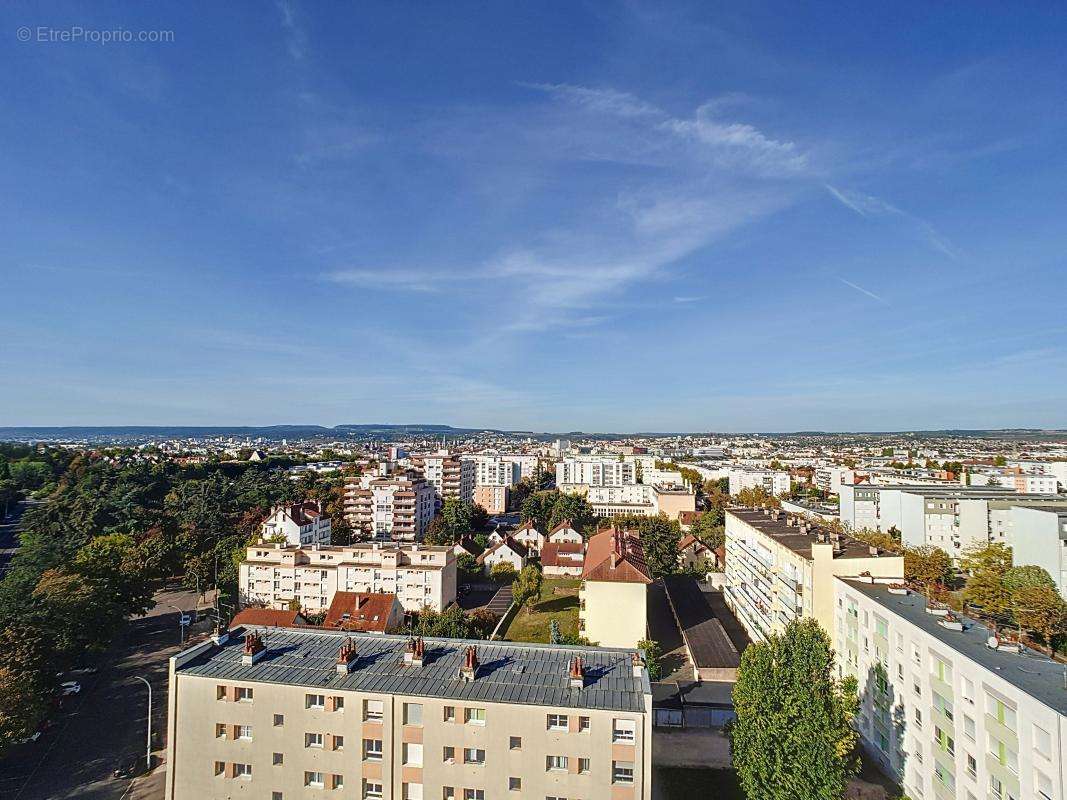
(632,217)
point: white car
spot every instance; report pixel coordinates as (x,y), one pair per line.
(70,687)
(33,737)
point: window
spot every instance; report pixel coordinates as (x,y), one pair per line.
(448,793)
(338,742)
(312,740)
(314,701)
(943,670)
(220,730)
(943,705)
(244,732)
(622,772)
(279,720)
(514,784)
(972,766)
(316,779)
(556,763)
(583,724)
(557,722)
(242,771)
(337,781)
(244,695)
(1004,754)
(411,754)
(220,767)
(372,749)
(623,731)
(919,718)
(1042,742)
(968,727)
(583,766)
(944,741)
(338,704)
(515,743)
(448,754)
(373,710)
(474,794)
(411,791)
(220,692)
(1001,712)
(412,713)
(276,796)
(450,714)
(474,716)
(1043,784)
(967,689)
(473,755)
(278,759)
(372,790)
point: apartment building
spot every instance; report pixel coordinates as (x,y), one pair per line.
(613,598)
(280,714)
(947,710)
(829,478)
(422,577)
(1057,469)
(952,519)
(297,524)
(596,471)
(622,500)
(494,470)
(1039,537)
(450,475)
(772,481)
(494,499)
(780,568)
(390,507)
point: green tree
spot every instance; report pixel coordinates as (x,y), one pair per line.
(793,738)
(709,529)
(553,631)
(927,565)
(758,496)
(467,565)
(502,572)
(653,654)
(527,586)
(986,566)
(1025,576)
(659,539)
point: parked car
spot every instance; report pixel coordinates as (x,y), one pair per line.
(83,671)
(33,737)
(70,687)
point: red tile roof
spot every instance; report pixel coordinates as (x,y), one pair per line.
(367,612)
(562,554)
(616,555)
(268,617)
(689,540)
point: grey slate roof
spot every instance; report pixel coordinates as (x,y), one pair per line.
(1030,671)
(528,674)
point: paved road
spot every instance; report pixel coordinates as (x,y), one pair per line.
(105,726)
(9,533)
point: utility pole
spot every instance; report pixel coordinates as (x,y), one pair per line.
(148,723)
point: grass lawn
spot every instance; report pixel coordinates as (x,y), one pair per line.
(559,601)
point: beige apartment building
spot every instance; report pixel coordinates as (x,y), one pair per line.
(422,577)
(613,598)
(494,499)
(780,567)
(396,507)
(282,713)
(450,475)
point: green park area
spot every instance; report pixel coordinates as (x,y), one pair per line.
(559,601)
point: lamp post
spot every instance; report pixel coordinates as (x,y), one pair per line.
(148,723)
(181,623)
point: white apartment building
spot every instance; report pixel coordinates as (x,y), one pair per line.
(830,477)
(422,577)
(494,470)
(774,482)
(297,524)
(780,568)
(946,710)
(1057,469)
(450,475)
(1039,537)
(613,501)
(283,713)
(389,508)
(596,471)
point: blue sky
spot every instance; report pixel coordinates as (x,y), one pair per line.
(536,216)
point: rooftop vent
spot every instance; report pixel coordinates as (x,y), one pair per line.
(638,664)
(576,674)
(415,652)
(469,671)
(254,649)
(346,656)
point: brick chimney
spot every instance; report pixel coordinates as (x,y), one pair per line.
(469,670)
(577,673)
(254,649)
(415,652)
(638,664)
(346,656)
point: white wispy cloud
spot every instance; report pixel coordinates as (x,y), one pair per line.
(399,278)
(860,289)
(869,206)
(295,36)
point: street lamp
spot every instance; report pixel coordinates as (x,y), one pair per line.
(181,623)
(148,740)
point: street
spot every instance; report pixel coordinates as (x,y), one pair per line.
(103,727)
(9,529)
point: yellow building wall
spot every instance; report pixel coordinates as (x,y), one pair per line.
(614,614)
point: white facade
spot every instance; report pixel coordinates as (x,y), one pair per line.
(610,501)
(390,508)
(421,577)
(494,470)
(941,712)
(297,524)
(774,482)
(1039,537)
(596,471)
(829,478)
